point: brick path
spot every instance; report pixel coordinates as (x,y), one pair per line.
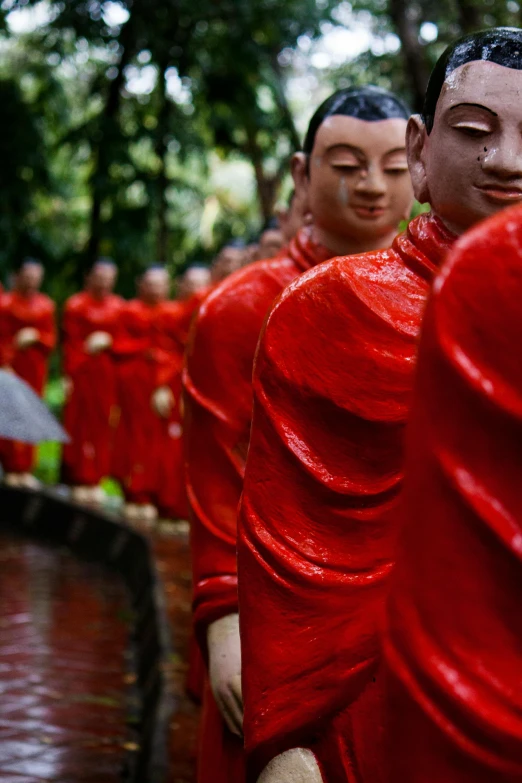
(171,548)
(63,663)
(63,687)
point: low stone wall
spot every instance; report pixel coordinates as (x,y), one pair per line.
(96,537)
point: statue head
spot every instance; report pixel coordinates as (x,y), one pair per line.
(271,240)
(194,279)
(101,278)
(230,258)
(30,275)
(154,285)
(465,150)
(294,215)
(352,173)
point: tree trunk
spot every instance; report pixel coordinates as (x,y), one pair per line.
(102,149)
(162,239)
(266,185)
(406,18)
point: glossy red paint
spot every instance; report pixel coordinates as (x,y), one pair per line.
(18,312)
(218,409)
(90,413)
(332,384)
(452,640)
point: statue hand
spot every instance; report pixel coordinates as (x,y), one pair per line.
(294,766)
(224,651)
(98,342)
(67,387)
(26,337)
(162,401)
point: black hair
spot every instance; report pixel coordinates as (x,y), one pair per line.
(271,225)
(369,103)
(237,243)
(501,45)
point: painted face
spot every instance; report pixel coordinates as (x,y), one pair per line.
(270,243)
(102,278)
(195,279)
(154,286)
(296,215)
(229,260)
(30,278)
(359,186)
(470,166)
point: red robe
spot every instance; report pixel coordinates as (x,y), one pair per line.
(453,639)
(140,353)
(172,499)
(218,407)
(90,414)
(18,312)
(175,327)
(332,385)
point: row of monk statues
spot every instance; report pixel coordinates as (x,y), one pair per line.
(349,409)
(356,519)
(122,365)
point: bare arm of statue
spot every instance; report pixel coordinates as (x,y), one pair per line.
(224,652)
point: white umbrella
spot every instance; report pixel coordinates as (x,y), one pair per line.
(23,415)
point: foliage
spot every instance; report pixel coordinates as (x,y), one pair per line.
(158,129)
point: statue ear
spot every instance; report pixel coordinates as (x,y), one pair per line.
(416,139)
(299,170)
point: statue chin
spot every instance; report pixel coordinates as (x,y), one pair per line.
(294,766)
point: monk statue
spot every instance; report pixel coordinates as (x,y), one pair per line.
(355,130)
(141,354)
(27,337)
(91,320)
(452,642)
(332,385)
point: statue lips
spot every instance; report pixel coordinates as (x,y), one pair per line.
(367,212)
(501,193)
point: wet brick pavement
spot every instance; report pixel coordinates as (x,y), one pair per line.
(171,548)
(63,660)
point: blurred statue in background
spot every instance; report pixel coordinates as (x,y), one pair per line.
(220,357)
(174,326)
(271,241)
(145,404)
(230,258)
(294,216)
(91,321)
(27,337)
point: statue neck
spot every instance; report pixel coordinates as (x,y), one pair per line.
(348,246)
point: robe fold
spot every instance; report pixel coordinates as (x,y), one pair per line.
(91,412)
(453,637)
(218,409)
(141,353)
(19,312)
(332,384)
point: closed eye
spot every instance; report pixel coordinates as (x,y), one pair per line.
(473,131)
(349,167)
